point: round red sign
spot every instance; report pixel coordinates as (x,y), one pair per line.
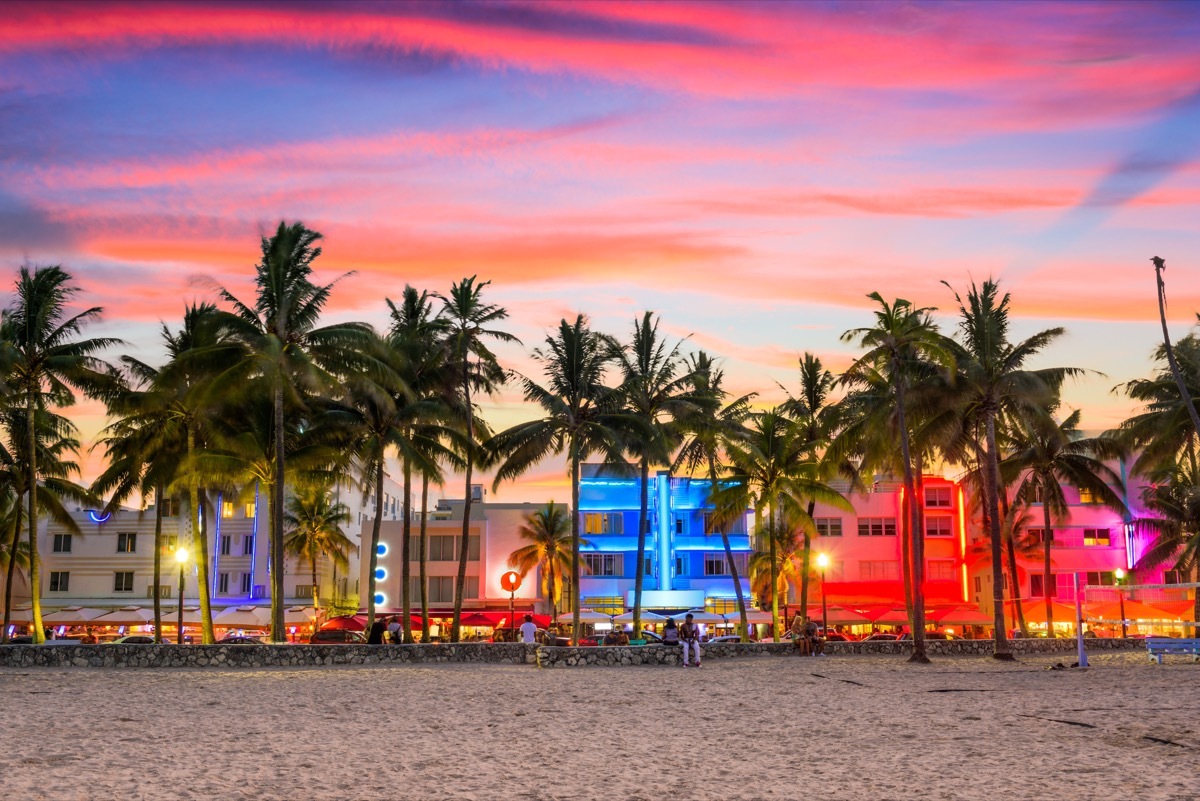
(511,581)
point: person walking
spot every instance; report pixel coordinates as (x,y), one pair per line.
(689,634)
(528,630)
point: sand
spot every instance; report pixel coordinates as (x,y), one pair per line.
(831,728)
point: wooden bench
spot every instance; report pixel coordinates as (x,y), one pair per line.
(1160,646)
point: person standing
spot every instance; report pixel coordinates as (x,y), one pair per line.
(689,635)
(529,630)
(394,630)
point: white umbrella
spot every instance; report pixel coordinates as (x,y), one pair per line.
(240,617)
(701,616)
(753,616)
(299,615)
(125,616)
(585,616)
(647,617)
(23,615)
(72,615)
(191,616)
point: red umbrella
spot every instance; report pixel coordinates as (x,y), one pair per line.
(476,619)
(345,623)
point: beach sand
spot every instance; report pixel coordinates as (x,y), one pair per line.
(831,728)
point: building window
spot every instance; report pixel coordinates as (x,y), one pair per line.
(123,581)
(608,604)
(62,543)
(710,525)
(879,570)
(1038,535)
(126,542)
(1087,496)
(1037,585)
(249,510)
(939,570)
(222,583)
(876,526)
(1104,579)
(1096,536)
(678,525)
(226,543)
(303,591)
(170,508)
(603,523)
(680,566)
(939,526)
(1174,577)
(648,567)
(978,584)
(828,526)
(60,581)
(715,564)
(937,497)
(441,589)
(226,509)
(444,548)
(247,544)
(604,564)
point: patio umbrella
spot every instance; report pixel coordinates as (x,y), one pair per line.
(22,615)
(72,616)
(892,617)
(753,616)
(1176,609)
(126,616)
(477,620)
(240,617)
(647,617)
(841,616)
(1036,610)
(703,616)
(585,616)
(191,616)
(345,623)
(299,615)
(1134,610)
(963,616)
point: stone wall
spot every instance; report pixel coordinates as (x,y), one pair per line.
(258,656)
(262,656)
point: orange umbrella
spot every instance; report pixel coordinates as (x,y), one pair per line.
(1134,610)
(1036,610)
(1176,609)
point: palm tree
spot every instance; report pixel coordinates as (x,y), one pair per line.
(710,424)
(653,391)
(992,380)
(291,355)
(903,337)
(48,361)
(1159,266)
(772,472)
(773,571)
(314,529)
(1161,432)
(547,532)
(1173,504)
(580,418)
(467,320)
(1046,456)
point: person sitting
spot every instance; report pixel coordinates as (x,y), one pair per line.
(622,637)
(670,633)
(799,637)
(816,645)
(611,637)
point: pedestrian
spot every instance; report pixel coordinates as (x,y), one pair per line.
(528,630)
(689,634)
(375,636)
(394,630)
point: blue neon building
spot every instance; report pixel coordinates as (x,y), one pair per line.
(685,566)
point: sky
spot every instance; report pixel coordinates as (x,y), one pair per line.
(748,171)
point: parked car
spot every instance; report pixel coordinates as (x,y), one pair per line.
(725,638)
(338,637)
(932,635)
(651,638)
(238,639)
(134,639)
(880,637)
(835,636)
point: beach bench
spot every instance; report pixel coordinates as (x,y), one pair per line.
(1160,646)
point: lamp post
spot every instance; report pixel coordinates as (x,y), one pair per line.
(511,581)
(823,564)
(1120,574)
(181,556)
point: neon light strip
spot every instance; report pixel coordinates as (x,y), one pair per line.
(962,541)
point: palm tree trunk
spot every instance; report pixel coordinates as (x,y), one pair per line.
(1047,539)
(773,536)
(315,590)
(1010,553)
(196,509)
(422,558)
(640,573)
(35,582)
(278,634)
(460,582)
(13,541)
(405,546)
(744,632)
(158,518)
(913,524)
(990,483)
(1159,266)
(575,605)
(806,560)
(375,527)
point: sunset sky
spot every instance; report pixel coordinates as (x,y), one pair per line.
(750,170)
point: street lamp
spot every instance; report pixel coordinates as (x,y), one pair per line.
(181,556)
(823,564)
(1120,574)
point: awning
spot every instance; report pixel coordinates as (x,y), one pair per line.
(891,617)
(962,616)
(1181,609)
(1035,610)
(72,616)
(1134,610)
(126,616)
(845,617)
(242,617)
(345,623)
(585,616)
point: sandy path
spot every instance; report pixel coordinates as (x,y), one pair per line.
(737,729)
